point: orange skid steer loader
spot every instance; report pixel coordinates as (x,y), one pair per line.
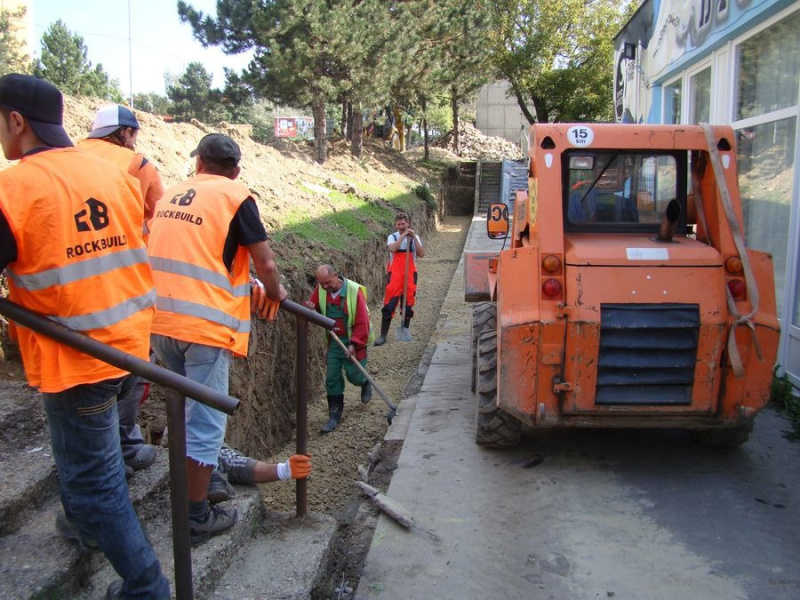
(624,295)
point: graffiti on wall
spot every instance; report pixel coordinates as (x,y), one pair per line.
(666,35)
(685,25)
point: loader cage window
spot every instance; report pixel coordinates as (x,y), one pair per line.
(620,191)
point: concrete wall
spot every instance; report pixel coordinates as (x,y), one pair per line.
(500,116)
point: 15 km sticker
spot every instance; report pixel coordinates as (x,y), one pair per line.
(580,136)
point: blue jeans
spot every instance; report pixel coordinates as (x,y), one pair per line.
(128,402)
(205,426)
(84,433)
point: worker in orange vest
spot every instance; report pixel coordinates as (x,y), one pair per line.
(113,137)
(202,237)
(71,244)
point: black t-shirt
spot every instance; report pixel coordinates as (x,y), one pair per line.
(246,228)
(8,246)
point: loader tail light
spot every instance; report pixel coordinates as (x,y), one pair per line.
(733,265)
(551,263)
(736,288)
(551,288)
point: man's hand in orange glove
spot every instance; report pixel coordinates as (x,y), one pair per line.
(260,303)
(297,467)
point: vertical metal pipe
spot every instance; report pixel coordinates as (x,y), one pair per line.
(302,408)
(179,494)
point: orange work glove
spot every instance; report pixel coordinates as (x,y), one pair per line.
(297,467)
(260,303)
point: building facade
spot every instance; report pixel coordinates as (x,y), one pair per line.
(737,63)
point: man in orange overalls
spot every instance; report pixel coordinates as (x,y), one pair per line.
(404,245)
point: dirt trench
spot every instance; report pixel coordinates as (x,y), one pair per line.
(399,369)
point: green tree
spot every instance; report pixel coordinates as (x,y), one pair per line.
(193,97)
(152,103)
(64,63)
(558,55)
(461,63)
(293,62)
(237,98)
(13,58)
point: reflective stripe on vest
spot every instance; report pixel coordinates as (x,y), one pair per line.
(78,271)
(177,267)
(104,318)
(201,311)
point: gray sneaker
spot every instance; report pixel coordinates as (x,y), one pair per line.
(67,530)
(238,467)
(219,490)
(217,520)
(145,457)
(114,591)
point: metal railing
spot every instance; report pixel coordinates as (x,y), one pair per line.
(179,387)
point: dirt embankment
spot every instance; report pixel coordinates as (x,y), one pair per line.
(290,188)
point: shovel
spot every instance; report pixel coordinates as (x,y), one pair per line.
(403,334)
(392,408)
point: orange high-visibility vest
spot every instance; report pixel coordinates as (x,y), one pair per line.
(77,224)
(198,299)
(133,163)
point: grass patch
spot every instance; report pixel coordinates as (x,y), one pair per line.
(435,165)
(782,394)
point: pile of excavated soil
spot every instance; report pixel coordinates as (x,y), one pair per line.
(473,145)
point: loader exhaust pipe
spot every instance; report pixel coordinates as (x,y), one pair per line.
(669,221)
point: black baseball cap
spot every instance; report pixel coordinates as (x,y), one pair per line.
(217,148)
(40,102)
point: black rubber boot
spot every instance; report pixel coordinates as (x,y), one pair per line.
(335,408)
(385,324)
(366,392)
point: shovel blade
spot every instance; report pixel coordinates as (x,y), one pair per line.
(403,334)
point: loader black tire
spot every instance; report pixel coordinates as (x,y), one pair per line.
(494,428)
(724,438)
(484,316)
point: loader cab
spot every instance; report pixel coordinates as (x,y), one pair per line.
(622,191)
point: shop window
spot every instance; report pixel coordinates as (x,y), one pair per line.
(672,103)
(700,97)
(766,156)
(769,69)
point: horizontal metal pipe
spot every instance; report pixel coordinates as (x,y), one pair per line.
(118,358)
(309,315)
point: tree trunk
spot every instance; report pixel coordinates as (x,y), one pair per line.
(358,130)
(540,106)
(318,110)
(350,123)
(524,107)
(401,130)
(425,128)
(345,131)
(454,107)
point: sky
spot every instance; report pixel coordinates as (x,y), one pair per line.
(157,43)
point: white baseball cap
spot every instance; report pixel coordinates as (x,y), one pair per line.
(110,118)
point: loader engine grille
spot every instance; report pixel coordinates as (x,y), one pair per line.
(647,353)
